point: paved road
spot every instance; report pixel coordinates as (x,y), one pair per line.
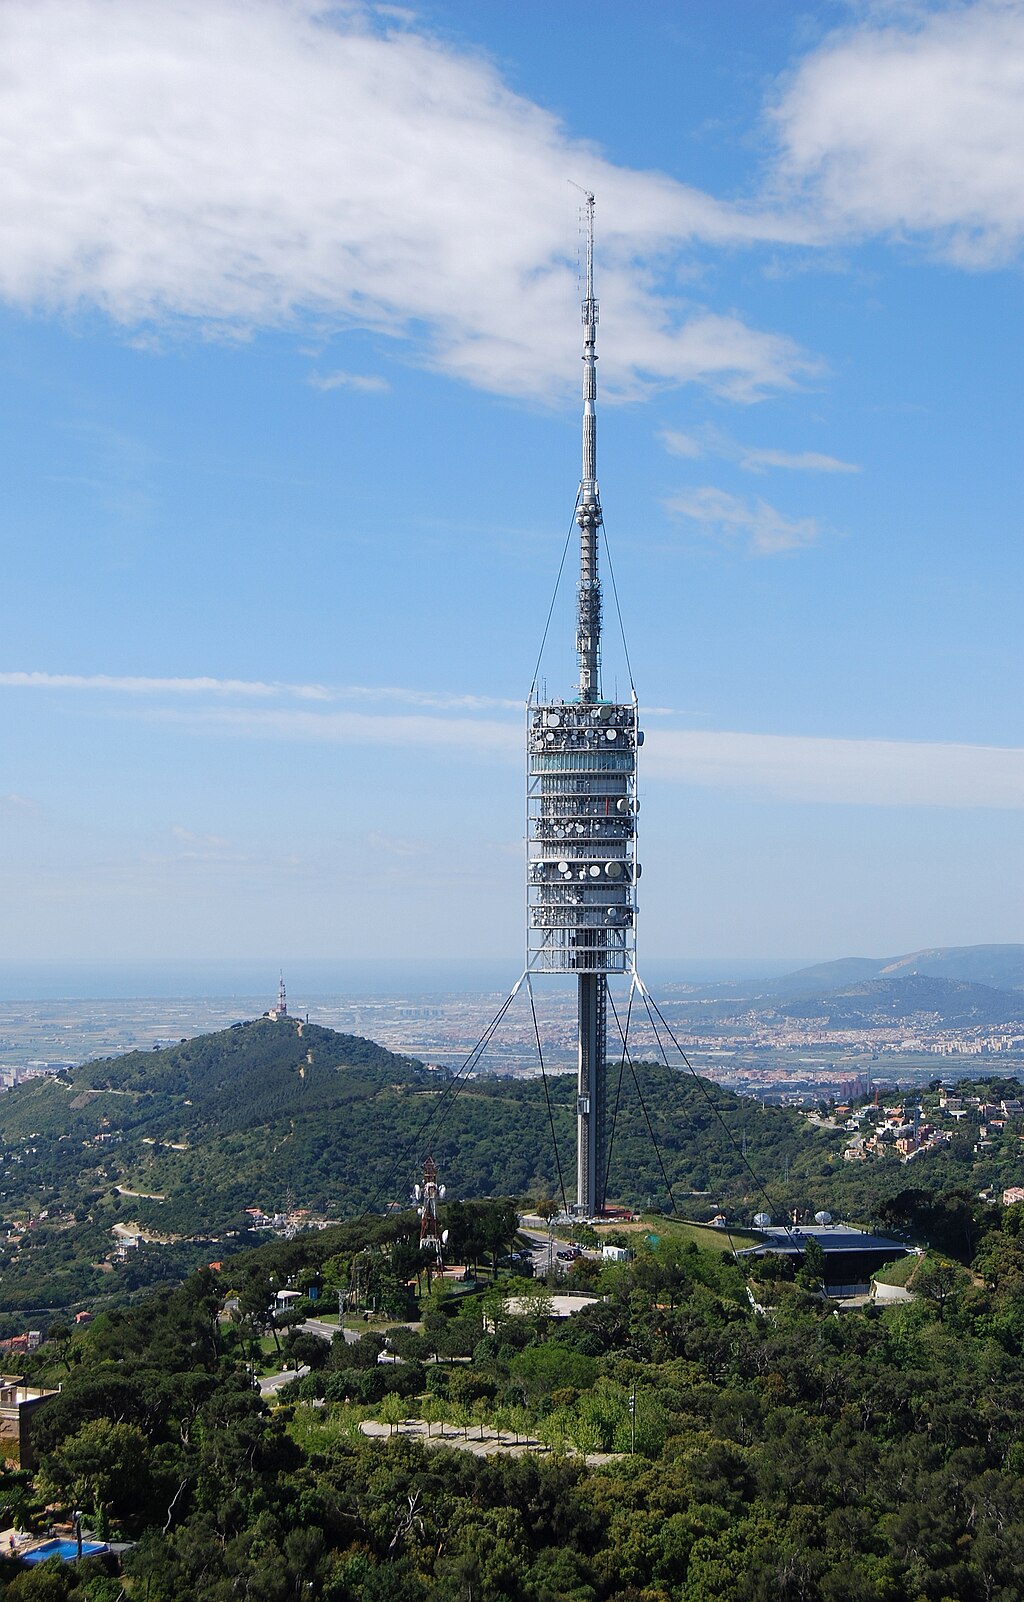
(316,1326)
(539,1252)
(270,1384)
(538,1243)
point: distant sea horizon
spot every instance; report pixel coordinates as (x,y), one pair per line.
(130,979)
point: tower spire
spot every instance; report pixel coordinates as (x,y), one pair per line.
(588,512)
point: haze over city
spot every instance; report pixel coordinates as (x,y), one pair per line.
(290,347)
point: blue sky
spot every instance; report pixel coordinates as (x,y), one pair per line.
(289,376)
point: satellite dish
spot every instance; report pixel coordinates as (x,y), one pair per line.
(553,720)
(639,736)
(417,1192)
(563,867)
(610,734)
(444,1237)
(823,1218)
(605,712)
(613,870)
(595,870)
(441,1192)
(622,806)
(762,1220)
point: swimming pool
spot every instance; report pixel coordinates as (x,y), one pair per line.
(63,1549)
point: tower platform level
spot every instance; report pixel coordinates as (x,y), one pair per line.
(581,828)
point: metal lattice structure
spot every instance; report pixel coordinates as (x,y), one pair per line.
(432,1237)
(581,812)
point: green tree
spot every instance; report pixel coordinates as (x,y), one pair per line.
(941,1283)
(256,1305)
(392,1411)
(812,1272)
(104,1464)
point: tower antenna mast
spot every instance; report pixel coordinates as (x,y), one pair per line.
(581,811)
(588,514)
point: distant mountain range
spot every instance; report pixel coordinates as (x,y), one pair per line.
(950,986)
(1001,967)
(952,1002)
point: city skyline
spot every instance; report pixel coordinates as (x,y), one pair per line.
(290,319)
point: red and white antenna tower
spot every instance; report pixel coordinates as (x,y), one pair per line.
(433,1238)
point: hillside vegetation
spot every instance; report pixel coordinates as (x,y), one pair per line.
(676,1443)
(278,1115)
(251,1115)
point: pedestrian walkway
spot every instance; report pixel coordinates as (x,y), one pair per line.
(482,1442)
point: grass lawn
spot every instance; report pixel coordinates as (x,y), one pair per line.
(899,1272)
(322,1429)
(715,1240)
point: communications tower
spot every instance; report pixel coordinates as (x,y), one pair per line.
(433,1238)
(581,813)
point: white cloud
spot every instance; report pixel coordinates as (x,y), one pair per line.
(393,845)
(898,773)
(914,125)
(754,458)
(201,843)
(760,527)
(15,806)
(467,734)
(364,383)
(679,444)
(803,768)
(852,772)
(139,685)
(246,163)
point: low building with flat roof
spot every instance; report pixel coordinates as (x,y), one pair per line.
(19,1404)
(851,1255)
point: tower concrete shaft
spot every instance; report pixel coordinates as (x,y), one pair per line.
(592,1003)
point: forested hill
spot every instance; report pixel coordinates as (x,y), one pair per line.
(182,1140)
(760,1447)
(955,1003)
(252,1074)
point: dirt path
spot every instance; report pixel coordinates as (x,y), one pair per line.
(492,1442)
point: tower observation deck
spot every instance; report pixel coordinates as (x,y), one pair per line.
(581,813)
